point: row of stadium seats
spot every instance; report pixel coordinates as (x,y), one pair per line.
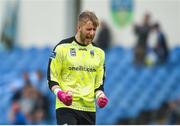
(130,89)
(13,64)
(19,60)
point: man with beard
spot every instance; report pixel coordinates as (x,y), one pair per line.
(76,74)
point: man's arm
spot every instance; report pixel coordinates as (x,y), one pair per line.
(54,68)
(54,71)
(101,98)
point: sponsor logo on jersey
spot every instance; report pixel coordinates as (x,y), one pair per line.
(73,52)
(82,68)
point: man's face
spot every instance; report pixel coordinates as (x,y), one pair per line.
(147,18)
(87,32)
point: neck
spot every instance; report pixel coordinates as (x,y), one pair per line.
(78,40)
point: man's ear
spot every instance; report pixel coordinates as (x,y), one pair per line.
(78,28)
(79,25)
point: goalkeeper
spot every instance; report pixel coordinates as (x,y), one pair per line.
(76,74)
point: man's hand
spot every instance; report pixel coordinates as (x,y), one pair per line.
(102,100)
(65,97)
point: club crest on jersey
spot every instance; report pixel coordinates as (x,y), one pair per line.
(92,52)
(53,54)
(72,52)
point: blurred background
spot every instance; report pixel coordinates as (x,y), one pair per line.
(141,39)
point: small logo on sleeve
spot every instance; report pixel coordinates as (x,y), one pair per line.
(92,52)
(53,54)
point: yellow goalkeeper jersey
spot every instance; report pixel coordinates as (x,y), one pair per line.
(77,68)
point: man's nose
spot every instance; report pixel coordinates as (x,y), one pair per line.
(92,32)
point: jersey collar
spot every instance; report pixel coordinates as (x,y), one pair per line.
(78,43)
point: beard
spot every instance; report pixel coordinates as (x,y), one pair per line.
(86,39)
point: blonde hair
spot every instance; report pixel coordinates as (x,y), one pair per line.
(86,16)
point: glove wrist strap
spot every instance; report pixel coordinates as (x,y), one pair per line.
(99,93)
(56,90)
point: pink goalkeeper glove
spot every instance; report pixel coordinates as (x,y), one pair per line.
(102,100)
(65,97)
